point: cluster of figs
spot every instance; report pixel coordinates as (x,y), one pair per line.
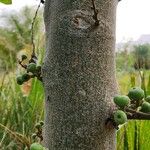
(32,70)
(135,100)
(36,145)
(38,133)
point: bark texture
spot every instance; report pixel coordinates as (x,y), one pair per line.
(79,75)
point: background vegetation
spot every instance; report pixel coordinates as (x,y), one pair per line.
(21,107)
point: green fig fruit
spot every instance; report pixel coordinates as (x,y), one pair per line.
(23,57)
(148,98)
(31,68)
(136,93)
(25,77)
(145,107)
(38,68)
(121,100)
(41,123)
(36,146)
(19,80)
(120,117)
(38,125)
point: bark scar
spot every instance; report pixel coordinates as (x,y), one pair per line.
(110,123)
(48,98)
(81,22)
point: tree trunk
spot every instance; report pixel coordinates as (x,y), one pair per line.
(79,74)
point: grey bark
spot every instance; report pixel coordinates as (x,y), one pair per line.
(79,75)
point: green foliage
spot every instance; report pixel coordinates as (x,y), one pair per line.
(141,54)
(133,57)
(148,86)
(16,35)
(19,112)
(132,77)
(6,1)
(134,134)
(124,61)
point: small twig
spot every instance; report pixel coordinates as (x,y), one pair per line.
(95,16)
(132,114)
(32,32)
(22,65)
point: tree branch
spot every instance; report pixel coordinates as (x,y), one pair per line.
(22,65)
(32,31)
(132,114)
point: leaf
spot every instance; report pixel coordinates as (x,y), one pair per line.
(6,1)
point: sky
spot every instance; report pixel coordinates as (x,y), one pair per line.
(133,17)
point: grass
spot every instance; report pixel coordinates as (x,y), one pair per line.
(19,113)
(135,134)
(21,107)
